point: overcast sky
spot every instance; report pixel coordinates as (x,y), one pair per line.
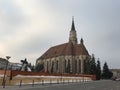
(29,27)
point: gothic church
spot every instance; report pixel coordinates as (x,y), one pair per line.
(65,58)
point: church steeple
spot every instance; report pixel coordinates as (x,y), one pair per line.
(73,26)
(73,35)
(81,41)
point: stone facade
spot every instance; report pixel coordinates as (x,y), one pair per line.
(65,58)
(61,64)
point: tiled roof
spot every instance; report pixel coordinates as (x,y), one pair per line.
(65,49)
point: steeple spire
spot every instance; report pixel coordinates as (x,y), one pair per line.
(73,26)
(73,35)
(81,41)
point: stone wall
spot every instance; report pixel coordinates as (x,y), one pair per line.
(13,73)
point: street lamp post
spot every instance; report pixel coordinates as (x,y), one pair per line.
(61,71)
(4,78)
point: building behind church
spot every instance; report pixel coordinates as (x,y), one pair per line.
(68,57)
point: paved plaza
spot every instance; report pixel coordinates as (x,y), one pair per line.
(93,85)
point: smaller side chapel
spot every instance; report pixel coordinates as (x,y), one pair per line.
(66,58)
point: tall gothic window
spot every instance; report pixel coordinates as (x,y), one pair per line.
(79,66)
(47,67)
(68,67)
(65,66)
(57,65)
(52,68)
(75,66)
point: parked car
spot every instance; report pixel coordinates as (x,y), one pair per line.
(117,79)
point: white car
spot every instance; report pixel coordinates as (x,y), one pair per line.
(117,79)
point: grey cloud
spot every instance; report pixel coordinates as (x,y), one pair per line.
(11,18)
(97,21)
(33,44)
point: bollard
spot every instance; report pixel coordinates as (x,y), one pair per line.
(20,83)
(63,81)
(57,81)
(72,80)
(79,80)
(42,82)
(50,81)
(68,80)
(33,83)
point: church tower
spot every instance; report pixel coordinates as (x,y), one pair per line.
(73,35)
(66,58)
